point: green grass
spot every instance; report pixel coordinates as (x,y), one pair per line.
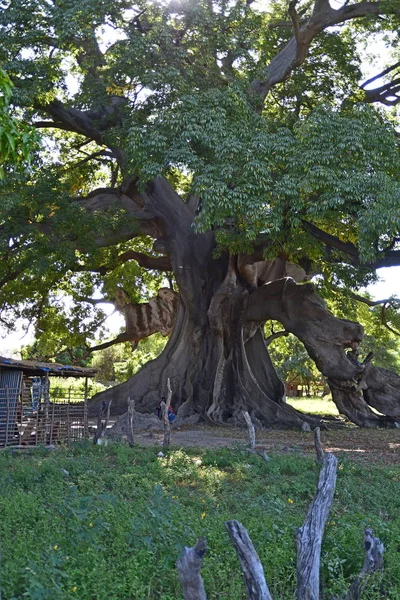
(314,405)
(114,527)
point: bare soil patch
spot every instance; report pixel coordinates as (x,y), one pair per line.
(364,445)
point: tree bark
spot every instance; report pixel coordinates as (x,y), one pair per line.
(216,357)
(189,567)
(309,536)
(256,586)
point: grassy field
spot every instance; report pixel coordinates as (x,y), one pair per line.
(314,405)
(107,523)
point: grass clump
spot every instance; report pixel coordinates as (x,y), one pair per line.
(113,526)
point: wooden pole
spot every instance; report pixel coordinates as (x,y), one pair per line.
(102,427)
(373,561)
(164,411)
(189,566)
(252,568)
(131,415)
(309,536)
(251,430)
(51,424)
(68,419)
(318,447)
(37,425)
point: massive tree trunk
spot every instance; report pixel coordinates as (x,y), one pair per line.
(216,357)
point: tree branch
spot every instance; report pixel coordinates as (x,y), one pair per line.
(380,75)
(387,94)
(395,302)
(332,241)
(295,51)
(94,156)
(158,263)
(275,336)
(387,258)
(384,320)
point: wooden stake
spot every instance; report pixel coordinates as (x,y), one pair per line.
(309,536)
(318,447)
(102,427)
(131,414)
(189,566)
(373,561)
(252,568)
(251,430)
(164,411)
(68,418)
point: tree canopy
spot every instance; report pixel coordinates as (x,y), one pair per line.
(255,113)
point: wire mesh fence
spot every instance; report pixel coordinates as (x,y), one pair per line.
(25,420)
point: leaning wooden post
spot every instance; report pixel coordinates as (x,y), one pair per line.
(131,414)
(164,411)
(252,568)
(102,427)
(309,536)
(189,567)
(373,561)
(251,431)
(318,447)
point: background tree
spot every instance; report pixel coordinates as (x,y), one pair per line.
(215,145)
(17,140)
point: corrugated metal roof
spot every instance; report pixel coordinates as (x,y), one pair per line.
(50,368)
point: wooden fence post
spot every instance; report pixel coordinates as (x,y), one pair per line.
(131,414)
(189,566)
(251,430)
(164,411)
(102,427)
(309,536)
(257,588)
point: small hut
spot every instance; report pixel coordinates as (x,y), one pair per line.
(28,416)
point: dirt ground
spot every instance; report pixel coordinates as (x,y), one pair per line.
(364,445)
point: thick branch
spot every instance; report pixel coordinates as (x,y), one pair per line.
(387,94)
(394,302)
(92,124)
(379,75)
(72,119)
(387,258)
(122,337)
(295,51)
(158,263)
(304,314)
(332,241)
(275,336)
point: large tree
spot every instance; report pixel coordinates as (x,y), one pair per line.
(226,147)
